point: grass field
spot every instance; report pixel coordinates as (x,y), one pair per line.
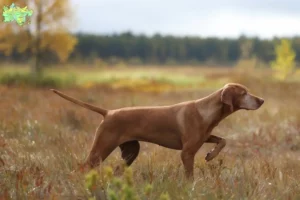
(43,137)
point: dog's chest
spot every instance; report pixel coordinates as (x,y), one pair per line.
(210,117)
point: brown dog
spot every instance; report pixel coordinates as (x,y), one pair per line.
(184,126)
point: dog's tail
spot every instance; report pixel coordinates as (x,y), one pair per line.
(83,104)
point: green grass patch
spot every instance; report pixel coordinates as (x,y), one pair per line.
(138,79)
(44,81)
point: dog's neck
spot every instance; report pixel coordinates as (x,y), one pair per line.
(211,106)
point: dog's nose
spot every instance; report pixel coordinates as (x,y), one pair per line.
(261,101)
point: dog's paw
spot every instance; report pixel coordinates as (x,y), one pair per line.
(209,156)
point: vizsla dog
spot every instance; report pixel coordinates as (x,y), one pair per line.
(184,126)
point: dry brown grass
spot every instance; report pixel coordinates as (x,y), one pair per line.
(43,138)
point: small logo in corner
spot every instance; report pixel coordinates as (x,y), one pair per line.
(14,13)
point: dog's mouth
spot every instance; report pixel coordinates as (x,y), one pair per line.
(245,108)
(252,108)
(249,108)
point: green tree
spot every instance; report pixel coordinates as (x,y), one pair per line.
(284,63)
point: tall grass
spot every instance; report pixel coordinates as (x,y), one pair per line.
(43,138)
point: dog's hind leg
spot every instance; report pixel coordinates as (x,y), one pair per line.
(104,143)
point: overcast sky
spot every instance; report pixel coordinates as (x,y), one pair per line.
(222,18)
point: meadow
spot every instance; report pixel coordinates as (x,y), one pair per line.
(43,138)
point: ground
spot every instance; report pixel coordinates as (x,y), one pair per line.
(43,137)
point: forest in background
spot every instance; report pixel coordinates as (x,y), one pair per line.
(163,49)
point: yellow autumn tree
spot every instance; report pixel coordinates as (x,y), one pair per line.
(47,31)
(284,64)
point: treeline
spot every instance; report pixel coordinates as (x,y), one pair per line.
(158,49)
(169,49)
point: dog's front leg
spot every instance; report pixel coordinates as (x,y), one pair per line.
(215,151)
(188,163)
(188,153)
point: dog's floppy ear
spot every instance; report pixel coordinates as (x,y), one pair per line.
(227,97)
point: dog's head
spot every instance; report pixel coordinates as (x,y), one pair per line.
(238,97)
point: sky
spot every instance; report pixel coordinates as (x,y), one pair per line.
(212,18)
